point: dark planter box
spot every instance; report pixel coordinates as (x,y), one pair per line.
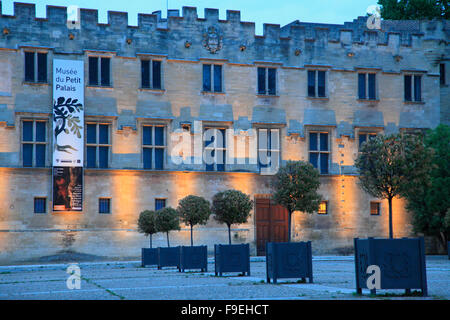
(288,260)
(232,258)
(149,257)
(194,257)
(401,262)
(169,257)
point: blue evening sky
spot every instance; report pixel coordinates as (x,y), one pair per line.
(259,11)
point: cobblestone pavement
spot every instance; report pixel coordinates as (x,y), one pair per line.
(333,279)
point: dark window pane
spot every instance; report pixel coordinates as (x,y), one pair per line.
(103,133)
(42,67)
(362,86)
(324,142)
(209,137)
(103,157)
(159,158)
(40,155)
(313,141)
(104,205)
(372,86)
(40,205)
(261,80)
(220,160)
(27,154)
(221,138)
(147,157)
(91,133)
(145,73)
(40,131)
(91,157)
(160,203)
(210,166)
(408,96)
(159,136)
(323,163)
(321,83)
(362,139)
(27,131)
(93,71)
(313,159)
(417,88)
(147,135)
(217,78)
(206,77)
(272,82)
(442,73)
(29,66)
(375,208)
(156,71)
(311,83)
(105,72)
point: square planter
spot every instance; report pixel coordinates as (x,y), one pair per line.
(401,263)
(194,257)
(169,257)
(149,257)
(288,260)
(232,258)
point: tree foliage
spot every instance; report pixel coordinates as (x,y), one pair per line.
(429,201)
(295,188)
(147,224)
(194,210)
(414,9)
(230,207)
(389,164)
(167,219)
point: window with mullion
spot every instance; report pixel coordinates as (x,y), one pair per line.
(366,86)
(319,151)
(267,81)
(34,143)
(151,74)
(215,147)
(212,78)
(100,71)
(316,83)
(35,66)
(365,136)
(97,145)
(268,147)
(153,146)
(413,87)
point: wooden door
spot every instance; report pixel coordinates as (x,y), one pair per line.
(271,224)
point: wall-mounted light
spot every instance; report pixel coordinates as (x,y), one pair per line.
(398,57)
(242,48)
(129,41)
(5,31)
(350,54)
(297,52)
(71,36)
(187,44)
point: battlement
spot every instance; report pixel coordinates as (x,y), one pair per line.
(153,30)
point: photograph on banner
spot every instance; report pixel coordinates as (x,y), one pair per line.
(67,188)
(68,113)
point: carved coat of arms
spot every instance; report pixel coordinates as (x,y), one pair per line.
(212,40)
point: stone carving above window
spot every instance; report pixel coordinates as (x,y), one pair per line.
(212,39)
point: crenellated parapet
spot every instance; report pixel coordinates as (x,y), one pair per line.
(182,35)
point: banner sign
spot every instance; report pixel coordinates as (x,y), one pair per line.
(67,188)
(68,135)
(68,113)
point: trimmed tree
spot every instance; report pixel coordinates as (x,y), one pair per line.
(387,165)
(167,219)
(429,201)
(147,224)
(194,210)
(295,188)
(230,207)
(414,9)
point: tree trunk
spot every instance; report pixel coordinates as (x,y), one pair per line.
(168,244)
(150,241)
(289,225)
(229,233)
(391,232)
(192,240)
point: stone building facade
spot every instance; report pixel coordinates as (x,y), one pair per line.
(323,88)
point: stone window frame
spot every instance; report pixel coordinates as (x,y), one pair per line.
(216,126)
(366,73)
(109,211)
(35,119)
(413,74)
(213,62)
(154,124)
(367,131)
(151,58)
(320,129)
(99,55)
(97,144)
(378,208)
(320,210)
(317,68)
(268,65)
(45,205)
(159,199)
(36,51)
